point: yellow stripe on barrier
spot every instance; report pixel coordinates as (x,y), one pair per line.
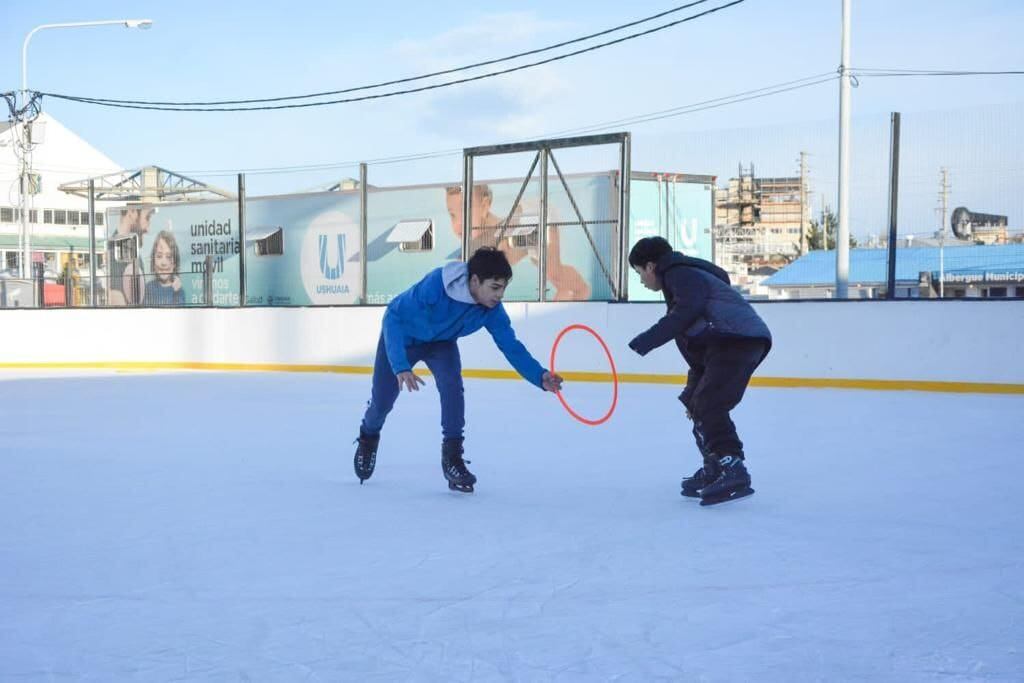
(569,375)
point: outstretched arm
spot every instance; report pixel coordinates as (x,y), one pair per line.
(500,327)
(690,293)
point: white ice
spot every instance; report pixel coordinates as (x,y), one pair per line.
(209,527)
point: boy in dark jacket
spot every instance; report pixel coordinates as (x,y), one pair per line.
(723,340)
(423,323)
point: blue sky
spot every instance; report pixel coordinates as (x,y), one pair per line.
(208,50)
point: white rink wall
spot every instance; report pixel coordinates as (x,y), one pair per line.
(948,341)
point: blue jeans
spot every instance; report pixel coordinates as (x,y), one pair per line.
(444,362)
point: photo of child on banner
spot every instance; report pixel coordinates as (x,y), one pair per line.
(165,288)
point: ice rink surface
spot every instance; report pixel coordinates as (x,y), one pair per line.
(205,526)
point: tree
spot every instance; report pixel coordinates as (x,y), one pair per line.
(815,236)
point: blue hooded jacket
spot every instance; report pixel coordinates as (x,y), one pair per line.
(440,308)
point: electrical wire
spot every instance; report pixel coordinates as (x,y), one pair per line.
(882,73)
(410,79)
(735,98)
(632,36)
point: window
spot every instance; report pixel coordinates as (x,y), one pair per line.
(126,248)
(1020,291)
(84,218)
(7,215)
(72,218)
(33,215)
(60,217)
(12,260)
(48,215)
(997,292)
(268,242)
(959,293)
(99,218)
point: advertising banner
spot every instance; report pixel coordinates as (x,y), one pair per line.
(678,208)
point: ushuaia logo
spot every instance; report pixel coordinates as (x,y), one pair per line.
(326,277)
(332,272)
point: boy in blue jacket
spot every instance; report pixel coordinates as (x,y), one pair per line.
(424,323)
(723,340)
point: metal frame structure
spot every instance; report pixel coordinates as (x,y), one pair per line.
(146,184)
(545,158)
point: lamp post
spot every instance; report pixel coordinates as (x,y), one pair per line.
(25,239)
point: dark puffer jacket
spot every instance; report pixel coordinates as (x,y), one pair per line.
(703,308)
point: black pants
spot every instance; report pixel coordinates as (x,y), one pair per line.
(716,386)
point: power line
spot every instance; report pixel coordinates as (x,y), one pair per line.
(709,104)
(409,79)
(735,98)
(930,72)
(632,36)
(328,166)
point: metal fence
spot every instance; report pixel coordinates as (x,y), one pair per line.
(936,212)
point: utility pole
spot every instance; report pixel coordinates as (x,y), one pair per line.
(803,203)
(843,231)
(944,189)
(823,225)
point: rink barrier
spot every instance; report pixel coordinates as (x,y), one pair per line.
(679,379)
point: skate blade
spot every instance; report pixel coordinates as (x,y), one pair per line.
(460,488)
(727,497)
(689,494)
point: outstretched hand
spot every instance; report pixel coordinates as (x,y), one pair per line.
(409,380)
(552,382)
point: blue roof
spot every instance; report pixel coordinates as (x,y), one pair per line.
(871,265)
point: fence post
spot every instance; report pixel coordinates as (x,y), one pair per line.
(894,190)
(92,243)
(364,224)
(40,283)
(69,289)
(542,229)
(625,177)
(467,203)
(208,280)
(241,239)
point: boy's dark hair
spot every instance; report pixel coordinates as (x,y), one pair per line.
(648,250)
(489,263)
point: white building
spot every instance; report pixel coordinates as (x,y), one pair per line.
(58,222)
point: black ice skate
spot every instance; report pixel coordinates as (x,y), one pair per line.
(366,455)
(732,482)
(691,486)
(454,467)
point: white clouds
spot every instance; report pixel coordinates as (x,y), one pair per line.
(487,36)
(506,106)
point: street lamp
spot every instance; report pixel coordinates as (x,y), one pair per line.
(25,239)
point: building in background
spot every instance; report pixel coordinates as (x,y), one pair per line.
(995,271)
(761,224)
(58,222)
